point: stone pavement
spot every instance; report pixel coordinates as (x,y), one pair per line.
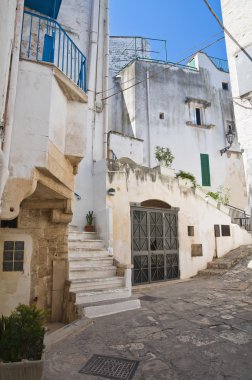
(195,330)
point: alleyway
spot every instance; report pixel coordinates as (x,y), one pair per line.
(195,330)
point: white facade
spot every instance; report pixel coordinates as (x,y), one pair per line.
(237,17)
(46,127)
(161,111)
(60,148)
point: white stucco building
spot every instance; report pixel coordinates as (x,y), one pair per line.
(237,18)
(53,55)
(64,154)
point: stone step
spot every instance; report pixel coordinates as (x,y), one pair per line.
(97,283)
(72,228)
(90,262)
(91,272)
(111,308)
(82,235)
(87,253)
(215,264)
(211,272)
(99,295)
(85,244)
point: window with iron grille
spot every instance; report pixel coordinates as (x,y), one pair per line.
(13,256)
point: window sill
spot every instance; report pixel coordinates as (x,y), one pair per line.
(202,126)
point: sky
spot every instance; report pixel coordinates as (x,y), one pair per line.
(184,24)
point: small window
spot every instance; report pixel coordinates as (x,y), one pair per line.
(216,230)
(225,86)
(205,170)
(161,116)
(190,230)
(13,256)
(225,230)
(9,223)
(198,116)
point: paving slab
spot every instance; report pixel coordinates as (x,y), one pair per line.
(196,330)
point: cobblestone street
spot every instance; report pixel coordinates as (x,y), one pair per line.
(195,330)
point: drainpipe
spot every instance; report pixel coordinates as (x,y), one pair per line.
(93,69)
(106,80)
(148,116)
(5,154)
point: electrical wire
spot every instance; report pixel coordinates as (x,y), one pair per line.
(162,70)
(226,30)
(186,51)
(241,105)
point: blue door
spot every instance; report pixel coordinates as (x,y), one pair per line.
(48,51)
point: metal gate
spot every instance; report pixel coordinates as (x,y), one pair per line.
(155,248)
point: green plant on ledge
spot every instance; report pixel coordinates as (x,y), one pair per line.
(187,175)
(22,334)
(222,195)
(164,156)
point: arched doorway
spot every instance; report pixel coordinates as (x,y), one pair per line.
(155,247)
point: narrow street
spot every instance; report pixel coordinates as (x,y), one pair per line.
(192,330)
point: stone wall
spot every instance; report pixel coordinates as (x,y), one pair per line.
(45,264)
(123,50)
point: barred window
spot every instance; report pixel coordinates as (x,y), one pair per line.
(13,256)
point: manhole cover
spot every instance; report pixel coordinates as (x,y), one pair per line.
(150,298)
(110,367)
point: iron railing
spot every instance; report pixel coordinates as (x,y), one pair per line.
(240,217)
(221,64)
(43,39)
(243,222)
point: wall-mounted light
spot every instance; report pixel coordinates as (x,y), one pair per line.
(111,192)
(230,139)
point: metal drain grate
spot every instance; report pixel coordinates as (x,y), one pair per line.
(110,367)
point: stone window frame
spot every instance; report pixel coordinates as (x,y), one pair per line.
(202,105)
(13,256)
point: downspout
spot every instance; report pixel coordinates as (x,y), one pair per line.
(106,80)
(94,58)
(5,153)
(148,116)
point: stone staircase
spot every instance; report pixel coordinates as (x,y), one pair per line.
(93,288)
(221,265)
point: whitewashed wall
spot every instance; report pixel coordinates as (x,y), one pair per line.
(7,23)
(166,93)
(87,22)
(135,184)
(237,17)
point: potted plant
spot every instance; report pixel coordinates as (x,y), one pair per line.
(165,157)
(21,344)
(186,179)
(89,218)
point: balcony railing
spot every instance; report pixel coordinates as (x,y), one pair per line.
(44,40)
(221,64)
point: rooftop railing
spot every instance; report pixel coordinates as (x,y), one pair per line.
(221,64)
(44,40)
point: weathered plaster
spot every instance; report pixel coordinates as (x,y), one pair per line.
(135,184)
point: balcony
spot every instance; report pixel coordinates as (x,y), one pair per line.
(44,40)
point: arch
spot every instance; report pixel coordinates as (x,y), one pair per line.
(155,203)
